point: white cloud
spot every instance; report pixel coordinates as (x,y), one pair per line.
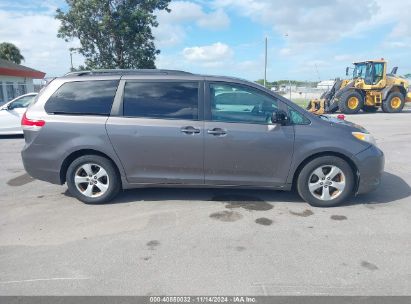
(172,26)
(186,11)
(35,34)
(168,34)
(305,22)
(216,20)
(208,54)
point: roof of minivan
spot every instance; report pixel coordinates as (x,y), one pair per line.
(143,72)
(122,72)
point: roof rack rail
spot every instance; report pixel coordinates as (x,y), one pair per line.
(127,72)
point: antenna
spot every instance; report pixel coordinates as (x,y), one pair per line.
(318,74)
(265,63)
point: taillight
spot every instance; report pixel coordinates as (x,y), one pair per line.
(26,122)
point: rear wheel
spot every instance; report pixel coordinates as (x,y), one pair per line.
(351,102)
(326,181)
(93,179)
(394,103)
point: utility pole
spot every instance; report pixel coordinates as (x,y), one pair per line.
(71,60)
(265,63)
(72,50)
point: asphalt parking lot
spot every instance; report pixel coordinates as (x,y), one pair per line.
(205,241)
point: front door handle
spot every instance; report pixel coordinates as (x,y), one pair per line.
(217,132)
(190,130)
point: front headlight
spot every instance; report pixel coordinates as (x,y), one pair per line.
(365,137)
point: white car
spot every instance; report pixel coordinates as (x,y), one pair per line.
(11,113)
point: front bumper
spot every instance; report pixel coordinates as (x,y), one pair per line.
(370,164)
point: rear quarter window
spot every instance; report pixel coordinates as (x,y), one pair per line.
(83,97)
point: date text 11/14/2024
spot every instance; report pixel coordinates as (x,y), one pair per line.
(203,299)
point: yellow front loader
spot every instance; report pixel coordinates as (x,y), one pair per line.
(370,88)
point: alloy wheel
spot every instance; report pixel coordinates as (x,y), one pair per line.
(91,180)
(327,182)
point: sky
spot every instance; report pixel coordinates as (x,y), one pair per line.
(308,40)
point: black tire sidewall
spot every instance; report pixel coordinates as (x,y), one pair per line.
(386,104)
(114,184)
(305,173)
(343,103)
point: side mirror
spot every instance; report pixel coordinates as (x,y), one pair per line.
(347,69)
(279,117)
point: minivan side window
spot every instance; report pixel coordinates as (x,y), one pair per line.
(237,103)
(162,100)
(83,97)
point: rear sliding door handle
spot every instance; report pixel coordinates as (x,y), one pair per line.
(190,130)
(217,132)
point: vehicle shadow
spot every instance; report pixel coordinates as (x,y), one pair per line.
(392,188)
(254,196)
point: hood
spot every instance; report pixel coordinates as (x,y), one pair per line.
(343,123)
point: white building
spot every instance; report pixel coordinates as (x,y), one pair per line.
(325,84)
(16,80)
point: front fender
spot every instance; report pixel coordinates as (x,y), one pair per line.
(310,141)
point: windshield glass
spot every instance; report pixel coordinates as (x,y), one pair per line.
(359,70)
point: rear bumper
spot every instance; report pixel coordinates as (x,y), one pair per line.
(38,165)
(370,164)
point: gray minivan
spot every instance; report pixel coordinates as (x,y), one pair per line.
(106,130)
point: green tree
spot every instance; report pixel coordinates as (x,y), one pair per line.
(407,75)
(10,52)
(113,33)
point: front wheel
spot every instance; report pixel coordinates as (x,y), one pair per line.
(326,181)
(394,103)
(93,179)
(351,102)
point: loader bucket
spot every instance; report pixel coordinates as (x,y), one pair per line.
(312,105)
(316,106)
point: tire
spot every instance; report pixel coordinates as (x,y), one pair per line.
(369,109)
(106,183)
(394,103)
(317,196)
(351,102)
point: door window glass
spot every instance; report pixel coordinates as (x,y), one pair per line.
(237,103)
(22,88)
(163,100)
(379,71)
(10,91)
